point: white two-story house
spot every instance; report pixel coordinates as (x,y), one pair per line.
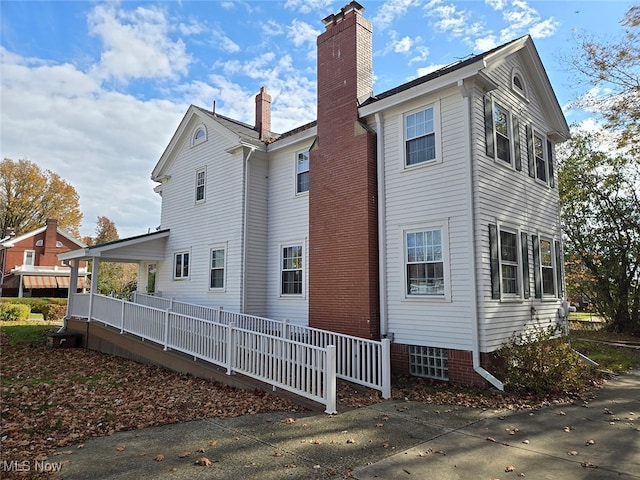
(427,214)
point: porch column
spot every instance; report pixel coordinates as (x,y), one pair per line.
(73,285)
(95,270)
(20,292)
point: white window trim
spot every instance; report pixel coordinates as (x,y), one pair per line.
(511,164)
(59,244)
(204,193)
(436,130)
(173,265)
(548,296)
(39,243)
(446,267)
(33,258)
(197,141)
(222,247)
(282,246)
(545,155)
(295,173)
(506,297)
(524,93)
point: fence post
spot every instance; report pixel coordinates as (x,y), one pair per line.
(285,329)
(330,380)
(171,303)
(122,304)
(386,368)
(166,329)
(230,346)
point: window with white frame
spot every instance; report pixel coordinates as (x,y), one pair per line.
(420,137)
(29,257)
(39,243)
(302,172)
(201,179)
(59,244)
(509,264)
(547,268)
(181,265)
(199,135)
(518,84)
(540,157)
(292,270)
(216,278)
(424,262)
(503,134)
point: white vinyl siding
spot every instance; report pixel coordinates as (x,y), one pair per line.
(513,198)
(423,199)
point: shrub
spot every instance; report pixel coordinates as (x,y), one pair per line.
(540,361)
(13,312)
(54,312)
(37,304)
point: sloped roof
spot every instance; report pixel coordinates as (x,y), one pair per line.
(9,242)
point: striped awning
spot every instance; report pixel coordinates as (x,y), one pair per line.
(63,282)
(36,281)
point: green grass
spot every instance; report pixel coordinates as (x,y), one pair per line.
(27,331)
(609,357)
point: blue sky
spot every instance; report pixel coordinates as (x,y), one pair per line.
(94,90)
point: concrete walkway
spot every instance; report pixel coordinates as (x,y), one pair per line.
(599,439)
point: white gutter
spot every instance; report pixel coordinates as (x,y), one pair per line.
(475,328)
(382,265)
(245,209)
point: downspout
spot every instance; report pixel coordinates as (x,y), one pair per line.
(475,328)
(245,209)
(382,254)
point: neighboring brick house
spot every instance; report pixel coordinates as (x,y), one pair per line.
(30,266)
(427,214)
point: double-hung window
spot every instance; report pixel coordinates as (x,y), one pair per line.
(424,262)
(201,179)
(292,270)
(181,265)
(547,268)
(503,134)
(540,158)
(29,257)
(302,172)
(509,266)
(216,278)
(420,137)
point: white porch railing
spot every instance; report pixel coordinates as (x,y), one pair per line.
(300,368)
(358,360)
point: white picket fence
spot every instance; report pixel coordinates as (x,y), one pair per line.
(358,360)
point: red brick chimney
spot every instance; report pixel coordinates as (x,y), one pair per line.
(343,244)
(263,113)
(50,239)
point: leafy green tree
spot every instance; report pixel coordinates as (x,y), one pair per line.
(113,278)
(612,68)
(600,194)
(29,195)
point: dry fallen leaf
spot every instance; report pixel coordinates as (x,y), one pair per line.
(276,453)
(588,465)
(491,439)
(204,462)
(120,448)
(572,452)
(159,457)
(526,442)
(184,454)
(350,440)
(567,429)
(289,420)
(290,465)
(590,442)
(378,425)
(509,468)
(201,450)
(213,443)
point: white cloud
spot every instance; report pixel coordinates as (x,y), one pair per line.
(390,10)
(429,68)
(422,53)
(192,28)
(272,28)
(484,44)
(136,43)
(307,6)
(496,4)
(522,18)
(223,42)
(301,32)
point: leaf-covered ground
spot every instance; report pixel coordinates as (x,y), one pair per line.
(53,398)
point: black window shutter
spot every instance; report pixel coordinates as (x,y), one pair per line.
(495,262)
(559,269)
(530,154)
(516,143)
(525,264)
(552,181)
(536,266)
(488,126)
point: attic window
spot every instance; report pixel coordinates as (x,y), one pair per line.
(518,84)
(58,244)
(199,135)
(39,243)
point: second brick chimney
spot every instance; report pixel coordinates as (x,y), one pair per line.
(263,113)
